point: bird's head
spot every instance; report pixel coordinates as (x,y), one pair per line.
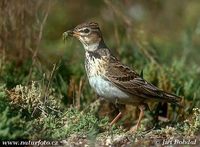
(89,35)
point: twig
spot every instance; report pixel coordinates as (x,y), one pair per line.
(54,110)
(2,60)
(38,107)
(46,93)
(39,39)
(49,83)
(41,29)
(78,96)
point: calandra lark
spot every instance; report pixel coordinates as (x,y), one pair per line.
(110,78)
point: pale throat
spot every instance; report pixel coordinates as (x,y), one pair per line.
(91,47)
(89,44)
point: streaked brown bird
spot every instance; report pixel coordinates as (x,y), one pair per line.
(110,78)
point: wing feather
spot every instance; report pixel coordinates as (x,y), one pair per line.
(130,81)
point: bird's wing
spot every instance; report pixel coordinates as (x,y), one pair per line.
(130,82)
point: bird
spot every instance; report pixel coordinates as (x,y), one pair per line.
(112,80)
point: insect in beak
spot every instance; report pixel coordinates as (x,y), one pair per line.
(70,33)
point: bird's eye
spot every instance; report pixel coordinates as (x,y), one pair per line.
(86,30)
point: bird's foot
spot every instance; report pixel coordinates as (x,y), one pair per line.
(133,129)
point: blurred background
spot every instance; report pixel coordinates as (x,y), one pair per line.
(170,27)
(159,39)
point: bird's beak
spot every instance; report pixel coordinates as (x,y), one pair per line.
(70,33)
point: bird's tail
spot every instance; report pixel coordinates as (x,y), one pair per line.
(172,98)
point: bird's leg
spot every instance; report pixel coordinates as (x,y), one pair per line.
(142,108)
(118,115)
(116,118)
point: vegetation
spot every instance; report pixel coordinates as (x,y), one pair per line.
(44,92)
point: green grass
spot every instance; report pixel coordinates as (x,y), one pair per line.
(46,109)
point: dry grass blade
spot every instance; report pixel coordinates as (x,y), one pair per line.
(119,13)
(42,24)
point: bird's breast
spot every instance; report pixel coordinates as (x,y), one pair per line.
(96,69)
(95,66)
(106,89)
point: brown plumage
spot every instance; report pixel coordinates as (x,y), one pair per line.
(110,78)
(130,82)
